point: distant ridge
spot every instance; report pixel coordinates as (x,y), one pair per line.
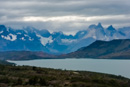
(24,55)
(115,49)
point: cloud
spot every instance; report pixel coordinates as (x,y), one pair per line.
(64,15)
(76,18)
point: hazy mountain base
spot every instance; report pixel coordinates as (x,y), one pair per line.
(25,76)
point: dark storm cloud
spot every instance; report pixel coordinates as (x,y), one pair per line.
(73,13)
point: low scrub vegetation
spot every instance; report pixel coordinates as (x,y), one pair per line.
(26,76)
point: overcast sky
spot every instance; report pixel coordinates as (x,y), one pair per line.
(68,16)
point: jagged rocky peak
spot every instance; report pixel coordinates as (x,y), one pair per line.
(99,26)
(93,26)
(111,28)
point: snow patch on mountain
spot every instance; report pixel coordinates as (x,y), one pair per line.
(25,35)
(9,37)
(68,40)
(19,33)
(23,39)
(1,32)
(45,40)
(82,32)
(14,37)
(31,39)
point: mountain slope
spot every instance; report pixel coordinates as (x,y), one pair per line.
(126,31)
(119,49)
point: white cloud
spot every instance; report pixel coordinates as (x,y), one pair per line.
(60,18)
(76,18)
(64,15)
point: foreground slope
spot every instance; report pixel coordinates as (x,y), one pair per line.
(25,76)
(115,49)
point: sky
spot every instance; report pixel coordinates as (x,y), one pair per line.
(68,16)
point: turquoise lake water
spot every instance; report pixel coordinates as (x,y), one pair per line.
(116,67)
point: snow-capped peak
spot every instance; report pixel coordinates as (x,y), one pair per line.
(99,25)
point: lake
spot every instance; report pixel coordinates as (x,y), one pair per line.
(116,67)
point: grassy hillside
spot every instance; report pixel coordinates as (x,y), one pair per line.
(25,76)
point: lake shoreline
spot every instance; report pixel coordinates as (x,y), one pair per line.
(94,65)
(67,58)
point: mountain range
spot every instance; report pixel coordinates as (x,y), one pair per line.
(32,39)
